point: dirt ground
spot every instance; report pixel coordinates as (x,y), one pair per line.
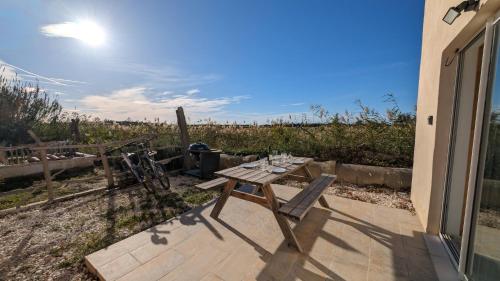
(49,243)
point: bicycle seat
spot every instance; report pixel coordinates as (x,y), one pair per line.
(151,153)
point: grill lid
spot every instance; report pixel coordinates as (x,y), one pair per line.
(198,146)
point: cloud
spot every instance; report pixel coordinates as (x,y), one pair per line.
(135,103)
(293,104)
(25,75)
(193,92)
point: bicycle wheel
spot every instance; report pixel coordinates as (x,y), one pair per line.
(136,170)
(161,175)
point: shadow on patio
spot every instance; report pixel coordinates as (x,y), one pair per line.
(351,241)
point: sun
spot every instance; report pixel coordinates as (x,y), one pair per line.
(90,33)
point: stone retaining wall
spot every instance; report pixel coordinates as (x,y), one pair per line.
(397,178)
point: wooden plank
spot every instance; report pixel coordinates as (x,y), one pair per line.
(250,197)
(297,199)
(252,174)
(105,164)
(237,174)
(223,198)
(223,173)
(181,122)
(170,159)
(256,177)
(301,210)
(212,183)
(298,207)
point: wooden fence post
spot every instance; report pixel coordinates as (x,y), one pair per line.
(45,165)
(181,122)
(3,158)
(46,173)
(105,164)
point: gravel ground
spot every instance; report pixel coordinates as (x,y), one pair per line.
(50,243)
(489,218)
(372,194)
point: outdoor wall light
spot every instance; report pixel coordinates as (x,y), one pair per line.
(454,12)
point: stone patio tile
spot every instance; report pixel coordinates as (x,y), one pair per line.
(348,271)
(211,277)
(323,249)
(160,244)
(119,267)
(155,268)
(387,273)
(280,264)
(231,268)
(420,267)
(198,265)
(355,241)
(310,269)
(383,256)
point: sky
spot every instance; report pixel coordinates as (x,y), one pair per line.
(224,60)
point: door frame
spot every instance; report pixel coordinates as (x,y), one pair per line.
(450,248)
(473,188)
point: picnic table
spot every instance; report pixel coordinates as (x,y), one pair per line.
(294,209)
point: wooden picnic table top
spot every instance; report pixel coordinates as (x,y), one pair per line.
(262,177)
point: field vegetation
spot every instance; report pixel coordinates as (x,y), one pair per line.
(365,137)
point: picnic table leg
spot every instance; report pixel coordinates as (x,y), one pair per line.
(308,173)
(223,198)
(282,222)
(256,189)
(322,202)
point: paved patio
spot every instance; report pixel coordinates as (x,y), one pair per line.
(351,241)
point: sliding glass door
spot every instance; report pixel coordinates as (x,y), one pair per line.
(483,261)
(469,73)
(471,210)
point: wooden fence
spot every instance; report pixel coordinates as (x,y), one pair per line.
(46,152)
(27,155)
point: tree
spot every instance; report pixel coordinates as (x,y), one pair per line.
(23,107)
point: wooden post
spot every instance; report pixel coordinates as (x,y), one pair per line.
(46,173)
(3,158)
(105,164)
(45,165)
(75,129)
(181,122)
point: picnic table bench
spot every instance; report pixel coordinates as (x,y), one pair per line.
(295,209)
(211,184)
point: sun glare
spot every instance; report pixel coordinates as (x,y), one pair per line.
(86,31)
(90,33)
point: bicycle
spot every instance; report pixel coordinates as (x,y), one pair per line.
(141,164)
